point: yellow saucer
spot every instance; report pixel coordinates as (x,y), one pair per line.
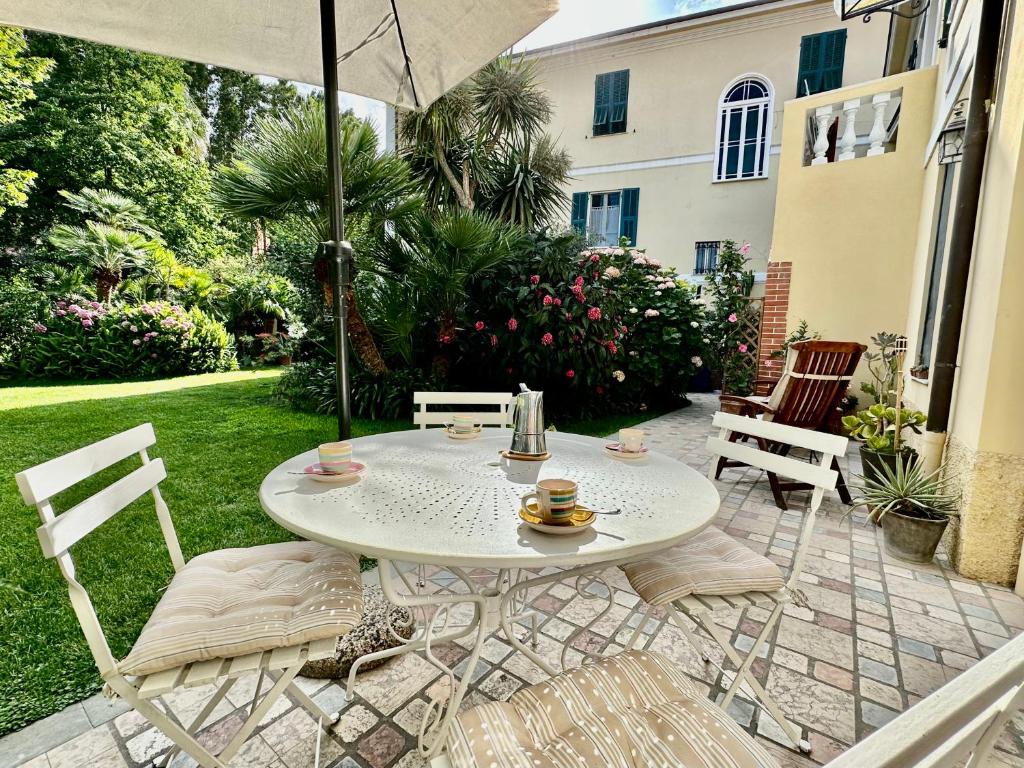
(582,518)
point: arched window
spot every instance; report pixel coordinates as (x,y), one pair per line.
(743,130)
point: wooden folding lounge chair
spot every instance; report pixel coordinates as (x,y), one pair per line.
(633,710)
(815,379)
(713,571)
(265,610)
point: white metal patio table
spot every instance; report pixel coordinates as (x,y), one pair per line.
(429,500)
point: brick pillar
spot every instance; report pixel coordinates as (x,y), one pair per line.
(773,322)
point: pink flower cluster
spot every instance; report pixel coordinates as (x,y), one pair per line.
(87,315)
(642,259)
(594,313)
(547,339)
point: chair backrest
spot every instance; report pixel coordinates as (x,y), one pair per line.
(816,378)
(462,403)
(769,434)
(60,531)
(961,720)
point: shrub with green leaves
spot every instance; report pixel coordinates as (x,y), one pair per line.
(876,425)
(566,319)
(92,340)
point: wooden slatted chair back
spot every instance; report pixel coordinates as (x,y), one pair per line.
(462,403)
(767,435)
(960,721)
(60,531)
(817,376)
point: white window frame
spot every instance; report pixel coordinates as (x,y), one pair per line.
(762,146)
(590,212)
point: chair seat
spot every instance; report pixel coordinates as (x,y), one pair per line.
(711,563)
(634,710)
(233,602)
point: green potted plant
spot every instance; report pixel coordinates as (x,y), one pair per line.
(913,507)
(880,426)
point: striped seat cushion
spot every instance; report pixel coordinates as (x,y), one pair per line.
(233,602)
(711,563)
(634,710)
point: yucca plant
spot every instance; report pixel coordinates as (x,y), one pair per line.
(908,490)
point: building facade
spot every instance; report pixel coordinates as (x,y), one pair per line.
(925,238)
(675,127)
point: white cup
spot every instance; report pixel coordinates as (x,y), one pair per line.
(521,472)
(632,440)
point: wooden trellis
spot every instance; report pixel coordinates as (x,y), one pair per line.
(749,334)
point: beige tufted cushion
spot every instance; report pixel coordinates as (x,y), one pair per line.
(233,602)
(711,563)
(634,710)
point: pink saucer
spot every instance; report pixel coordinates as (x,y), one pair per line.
(355,470)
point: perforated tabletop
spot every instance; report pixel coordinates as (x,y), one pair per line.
(428,499)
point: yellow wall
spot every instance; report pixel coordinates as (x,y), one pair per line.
(850,228)
(676,80)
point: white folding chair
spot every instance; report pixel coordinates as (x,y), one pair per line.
(462,400)
(701,607)
(274,646)
(959,722)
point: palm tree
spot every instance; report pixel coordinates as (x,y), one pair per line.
(440,257)
(482,146)
(281,174)
(108,250)
(111,208)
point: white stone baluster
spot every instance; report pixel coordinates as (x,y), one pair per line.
(849,138)
(877,135)
(823,118)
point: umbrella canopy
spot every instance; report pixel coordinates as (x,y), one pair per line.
(404,52)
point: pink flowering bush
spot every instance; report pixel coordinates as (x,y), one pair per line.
(87,339)
(573,335)
(731,358)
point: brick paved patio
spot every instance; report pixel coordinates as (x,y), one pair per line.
(877,636)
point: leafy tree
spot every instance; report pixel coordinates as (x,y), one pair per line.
(482,146)
(281,175)
(18,74)
(232,102)
(117,119)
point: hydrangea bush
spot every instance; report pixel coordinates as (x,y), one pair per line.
(87,339)
(595,328)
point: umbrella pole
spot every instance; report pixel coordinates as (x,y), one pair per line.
(337,251)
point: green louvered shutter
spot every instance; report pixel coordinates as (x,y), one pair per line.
(579,212)
(833,55)
(602,103)
(620,102)
(821,62)
(630,210)
(611,99)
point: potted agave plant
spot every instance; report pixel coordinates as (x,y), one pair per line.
(913,507)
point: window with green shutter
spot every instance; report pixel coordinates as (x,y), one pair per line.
(611,100)
(579,212)
(821,62)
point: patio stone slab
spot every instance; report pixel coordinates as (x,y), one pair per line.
(876,636)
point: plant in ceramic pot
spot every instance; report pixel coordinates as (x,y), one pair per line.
(914,508)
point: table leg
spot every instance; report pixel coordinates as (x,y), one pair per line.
(516,595)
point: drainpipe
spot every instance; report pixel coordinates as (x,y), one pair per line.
(965,218)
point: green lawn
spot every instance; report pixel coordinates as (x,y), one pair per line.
(219,435)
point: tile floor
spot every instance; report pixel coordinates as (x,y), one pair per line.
(877,636)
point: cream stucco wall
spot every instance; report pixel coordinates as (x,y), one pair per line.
(850,228)
(677,74)
(985,446)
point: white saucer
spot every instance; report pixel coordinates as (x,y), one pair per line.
(616,450)
(356,471)
(453,435)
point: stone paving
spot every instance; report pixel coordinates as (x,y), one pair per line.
(876,636)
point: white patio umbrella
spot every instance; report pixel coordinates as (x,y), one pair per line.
(405,52)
